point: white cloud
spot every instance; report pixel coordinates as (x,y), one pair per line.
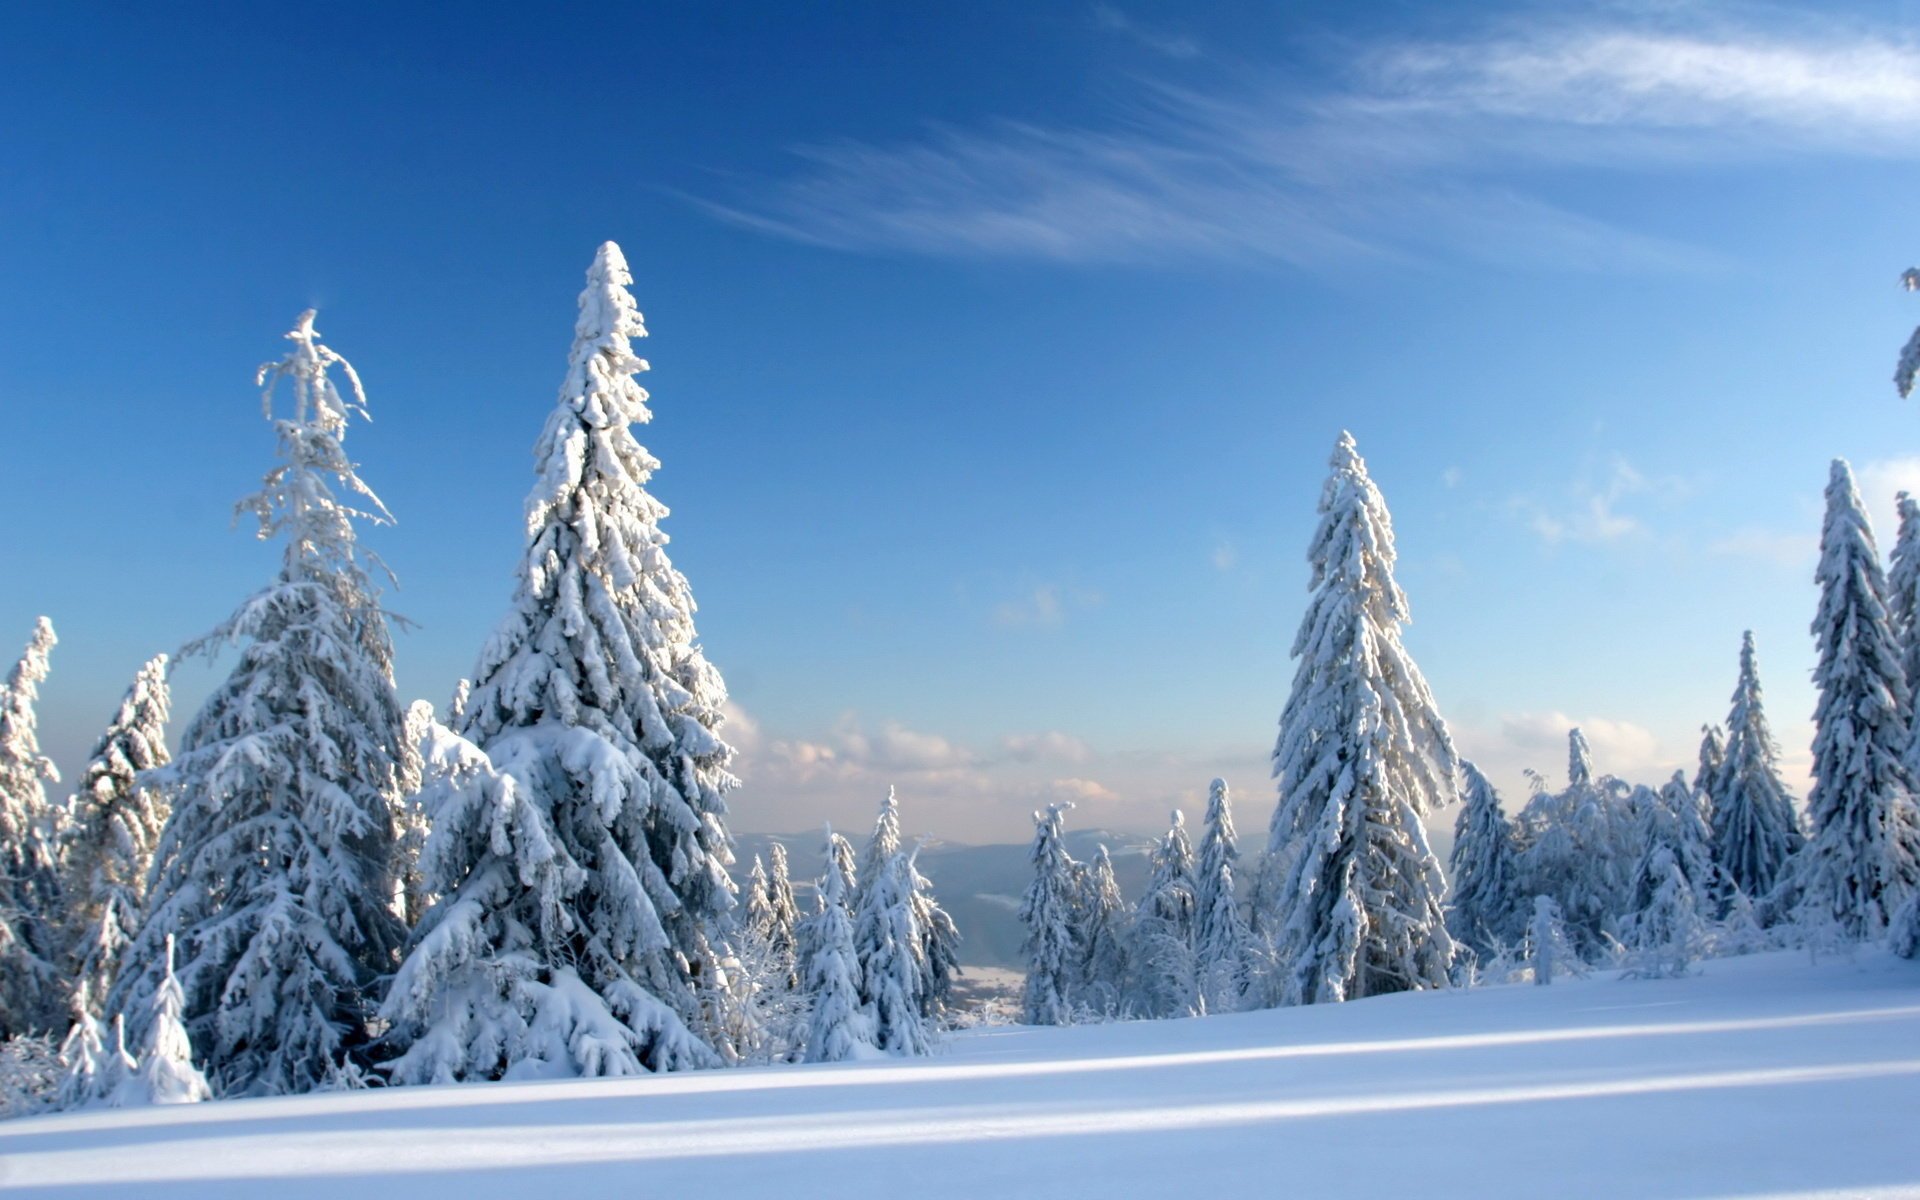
(1172,45)
(1793,550)
(1830,90)
(1880,482)
(953,790)
(1595,515)
(1051,746)
(1425,150)
(1450,477)
(1082,791)
(1225,555)
(1046,604)
(1539,741)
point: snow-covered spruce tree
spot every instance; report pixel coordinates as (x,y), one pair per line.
(1903,616)
(1101,922)
(1755,828)
(888,943)
(1666,933)
(166,1074)
(1863,855)
(94,1070)
(1550,951)
(782,928)
(1220,939)
(938,951)
(939,956)
(1677,846)
(1485,911)
(32,985)
(1161,949)
(1362,756)
(597,915)
(1909,364)
(422,739)
(276,867)
(838,1028)
(1047,911)
(117,818)
(755,904)
(1713,759)
(882,844)
(1580,846)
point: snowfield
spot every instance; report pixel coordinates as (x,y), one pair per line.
(1762,1076)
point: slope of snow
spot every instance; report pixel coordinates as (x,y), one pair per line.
(1764,1076)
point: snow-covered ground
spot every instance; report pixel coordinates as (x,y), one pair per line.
(1763,1076)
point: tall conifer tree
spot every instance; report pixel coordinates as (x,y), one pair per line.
(586,904)
(1863,855)
(275,872)
(117,819)
(1362,756)
(1487,908)
(1047,910)
(32,987)
(1755,828)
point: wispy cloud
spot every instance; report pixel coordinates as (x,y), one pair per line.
(1776,548)
(1172,45)
(1045,605)
(1424,149)
(1595,509)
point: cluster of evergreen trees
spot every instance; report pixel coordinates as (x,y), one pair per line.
(1350,901)
(325,889)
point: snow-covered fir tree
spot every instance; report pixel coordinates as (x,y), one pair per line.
(1550,951)
(1676,843)
(582,928)
(1485,910)
(1161,947)
(1666,933)
(883,843)
(1755,828)
(421,739)
(1362,756)
(888,943)
(755,904)
(166,1074)
(1909,363)
(1580,846)
(1172,894)
(1903,615)
(939,957)
(1047,911)
(276,867)
(32,982)
(783,910)
(95,1057)
(838,1027)
(1220,940)
(1713,759)
(1863,854)
(1101,924)
(117,818)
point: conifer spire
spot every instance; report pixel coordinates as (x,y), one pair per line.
(1863,855)
(599,917)
(32,988)
(1362,756)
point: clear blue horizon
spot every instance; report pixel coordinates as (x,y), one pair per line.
(997,354)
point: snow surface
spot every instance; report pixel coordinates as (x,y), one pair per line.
(1762,1076)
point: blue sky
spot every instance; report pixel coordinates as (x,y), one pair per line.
(998,351)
